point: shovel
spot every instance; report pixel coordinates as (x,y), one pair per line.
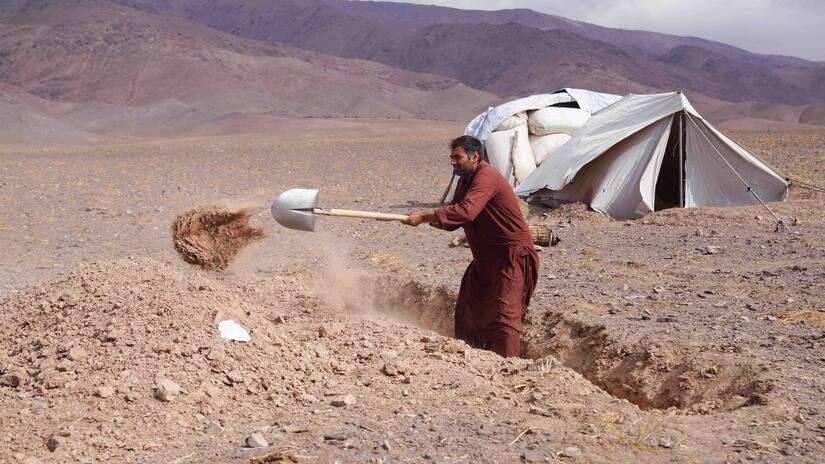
(297,209)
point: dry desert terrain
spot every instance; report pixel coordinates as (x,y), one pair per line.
(688,336)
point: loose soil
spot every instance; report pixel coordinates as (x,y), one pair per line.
(211,237)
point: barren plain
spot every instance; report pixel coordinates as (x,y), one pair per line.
(688,336)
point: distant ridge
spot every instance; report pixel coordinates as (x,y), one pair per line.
(404,35)
(126,66)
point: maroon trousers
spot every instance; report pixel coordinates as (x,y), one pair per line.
(491,305)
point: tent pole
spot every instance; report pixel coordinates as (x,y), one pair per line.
(681,152)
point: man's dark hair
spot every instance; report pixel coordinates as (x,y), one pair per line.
(470,144)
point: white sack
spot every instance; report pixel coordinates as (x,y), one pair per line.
(544,145)
(518,119)
(498,148)
(482,125)
(552,120)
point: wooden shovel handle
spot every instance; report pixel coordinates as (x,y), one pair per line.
(359,214)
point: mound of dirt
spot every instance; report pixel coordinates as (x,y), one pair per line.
(123,357)
(212,236)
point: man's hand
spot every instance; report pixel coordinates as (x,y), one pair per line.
(414,219)
(419,217)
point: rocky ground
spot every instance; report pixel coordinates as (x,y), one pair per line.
(688,336)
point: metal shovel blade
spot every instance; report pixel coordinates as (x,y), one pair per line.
(293,209)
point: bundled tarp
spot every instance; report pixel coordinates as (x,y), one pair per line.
(649,152)
(485,123)
(511,143)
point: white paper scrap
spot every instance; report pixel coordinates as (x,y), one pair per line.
(230,330)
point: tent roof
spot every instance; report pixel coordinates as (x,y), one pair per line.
(485,123)
(605,128)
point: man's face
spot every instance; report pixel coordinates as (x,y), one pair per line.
(463,164)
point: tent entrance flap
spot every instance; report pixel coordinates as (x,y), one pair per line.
(668,183)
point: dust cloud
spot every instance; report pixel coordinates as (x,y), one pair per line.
(343,284)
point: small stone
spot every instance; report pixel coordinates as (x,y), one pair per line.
(659,289)
(711,249)
(214,429)
(758,217)
(346,400)
(533,456)
(77,354)
(349,443)
(666,441)
(339,435)
(14,378)
(321,351)
(212,391)
(256,440)
(570,452)
(699,232)
(104,391)
(390,369)
(235,376)
(388,354)
(757,399)
(307,398)
(217,353)
(54,442)
(167,390)
(552,276)
(538,411)
(328,330)
(386,445)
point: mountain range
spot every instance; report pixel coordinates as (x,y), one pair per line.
(100,68)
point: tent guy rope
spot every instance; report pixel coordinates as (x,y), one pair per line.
(780,224)
(804,185)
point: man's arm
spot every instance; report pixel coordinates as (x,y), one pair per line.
(456,215)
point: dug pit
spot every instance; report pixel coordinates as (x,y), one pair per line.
(650,373)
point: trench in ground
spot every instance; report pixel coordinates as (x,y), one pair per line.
(650,373)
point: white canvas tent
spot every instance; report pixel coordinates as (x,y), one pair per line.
(648,152)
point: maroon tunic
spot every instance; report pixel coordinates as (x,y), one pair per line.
(499,282)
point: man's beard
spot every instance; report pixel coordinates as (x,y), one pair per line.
(460,172)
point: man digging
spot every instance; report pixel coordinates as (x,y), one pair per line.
(498,283)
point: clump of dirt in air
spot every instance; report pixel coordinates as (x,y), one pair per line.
(211,237)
